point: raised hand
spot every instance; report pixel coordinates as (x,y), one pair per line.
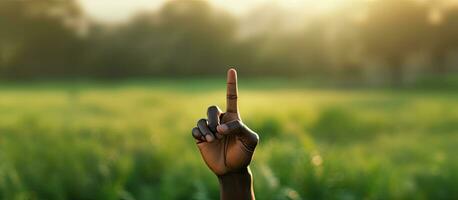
(225,142)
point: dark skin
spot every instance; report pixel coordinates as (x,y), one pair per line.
(227,145)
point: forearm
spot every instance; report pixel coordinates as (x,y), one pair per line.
(237,185)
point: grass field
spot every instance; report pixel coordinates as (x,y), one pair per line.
(132,141)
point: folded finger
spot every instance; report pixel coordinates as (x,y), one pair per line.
(197,135)
(203,127)
(213,114)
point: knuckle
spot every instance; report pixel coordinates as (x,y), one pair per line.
(212,108)
(232,96)
(195,132)
(202,121)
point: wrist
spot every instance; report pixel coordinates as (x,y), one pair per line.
(236,185)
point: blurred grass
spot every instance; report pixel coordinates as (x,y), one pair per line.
(131,140)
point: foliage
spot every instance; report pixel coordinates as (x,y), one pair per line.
(373,42)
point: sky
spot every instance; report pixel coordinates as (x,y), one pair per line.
(121,10)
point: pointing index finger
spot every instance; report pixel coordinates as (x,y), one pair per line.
(232,93)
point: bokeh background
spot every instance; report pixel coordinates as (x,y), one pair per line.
(352,99)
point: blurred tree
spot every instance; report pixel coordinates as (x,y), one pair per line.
(199,36)
(394,29)
(294,54)
(42,38)
(184,37)
(444,39)
(277,44)
(38,38)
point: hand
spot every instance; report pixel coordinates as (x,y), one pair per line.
(225,143)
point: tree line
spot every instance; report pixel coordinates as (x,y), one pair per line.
(394,41)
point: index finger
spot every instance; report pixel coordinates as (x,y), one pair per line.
(232,93)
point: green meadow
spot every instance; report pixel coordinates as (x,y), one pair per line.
(132,140)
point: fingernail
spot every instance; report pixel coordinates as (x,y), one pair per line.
(209,138)
(222,128)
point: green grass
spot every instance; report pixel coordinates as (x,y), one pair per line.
(132,141)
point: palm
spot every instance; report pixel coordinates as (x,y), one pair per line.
(226,152)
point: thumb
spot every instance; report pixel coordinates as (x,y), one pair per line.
(236,127)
